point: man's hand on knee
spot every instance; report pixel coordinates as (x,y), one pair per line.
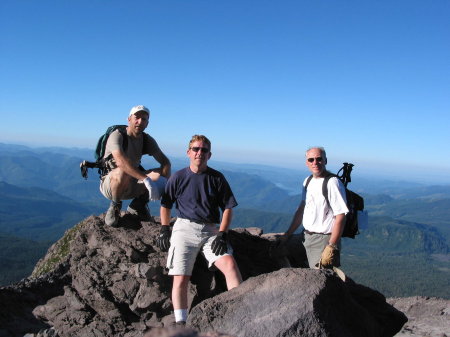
(154,191)
(220,244)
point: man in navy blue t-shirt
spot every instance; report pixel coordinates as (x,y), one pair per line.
(199,193)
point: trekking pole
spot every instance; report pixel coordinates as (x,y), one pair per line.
(341,177)
(349,168)
(84,169)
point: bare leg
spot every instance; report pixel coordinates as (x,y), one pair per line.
(120,183)
(179,291)
(228,266)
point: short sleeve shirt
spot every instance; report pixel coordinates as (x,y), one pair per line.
(198,196)
(135,149)
(318,217)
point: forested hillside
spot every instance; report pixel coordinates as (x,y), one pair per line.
(37,213)
(18,257)
(404,251)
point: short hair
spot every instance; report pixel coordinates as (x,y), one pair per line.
(200,138)
(321,148)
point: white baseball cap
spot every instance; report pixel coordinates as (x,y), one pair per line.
(139,108)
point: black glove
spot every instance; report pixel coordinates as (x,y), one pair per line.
(220,244)
(163,241)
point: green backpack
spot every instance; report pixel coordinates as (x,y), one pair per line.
(99,153)
(101,144)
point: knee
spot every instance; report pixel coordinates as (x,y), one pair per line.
(119,178)
(227,264)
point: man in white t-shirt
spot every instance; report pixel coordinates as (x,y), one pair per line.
(323,221)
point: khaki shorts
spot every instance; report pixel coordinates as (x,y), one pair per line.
(314,244)
(134,189)
(188,239)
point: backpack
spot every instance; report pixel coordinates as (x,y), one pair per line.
(99,153)
(355,203)
(101,144)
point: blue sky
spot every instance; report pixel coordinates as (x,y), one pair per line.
(264,80)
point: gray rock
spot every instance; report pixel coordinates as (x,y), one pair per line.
(18,301)
(104,281)
(295,302)
(182,332)
(118,282)
(427,316)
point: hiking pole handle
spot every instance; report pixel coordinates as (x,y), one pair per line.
(84,165)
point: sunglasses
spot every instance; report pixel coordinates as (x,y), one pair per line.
(318,159)
(197,148)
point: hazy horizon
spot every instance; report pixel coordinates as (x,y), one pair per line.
(369,81)
(365,170)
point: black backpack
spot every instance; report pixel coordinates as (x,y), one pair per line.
(355,202)
(100,162)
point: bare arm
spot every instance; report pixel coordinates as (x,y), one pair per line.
(338,228)
(227,216)
(161,158)
(165,216)
(297,219)
(124,164)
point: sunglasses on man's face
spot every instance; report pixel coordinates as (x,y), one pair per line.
(198,148)
(318,159)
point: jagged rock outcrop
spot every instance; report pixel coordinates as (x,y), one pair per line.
(103,281)
(18,301)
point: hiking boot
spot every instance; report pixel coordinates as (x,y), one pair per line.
(113,214)
(139,206)
(179,324)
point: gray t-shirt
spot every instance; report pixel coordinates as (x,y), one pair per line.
(135,149)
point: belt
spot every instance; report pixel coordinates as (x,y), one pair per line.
(311,233)
(199,222)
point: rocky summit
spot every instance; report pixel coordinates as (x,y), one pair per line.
(104,281)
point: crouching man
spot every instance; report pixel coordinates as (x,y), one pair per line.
(125,178)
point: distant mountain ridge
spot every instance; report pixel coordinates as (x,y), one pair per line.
(37,213)
(42,194)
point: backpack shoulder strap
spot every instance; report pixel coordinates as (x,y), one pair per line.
(308,181)
(325,186)
(123,131)
(146,140)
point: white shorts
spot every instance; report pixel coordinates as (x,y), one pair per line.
(134,189)
(187,240)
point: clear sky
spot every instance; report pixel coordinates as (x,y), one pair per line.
(264,80)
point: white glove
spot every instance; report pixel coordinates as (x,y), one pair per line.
(155,188)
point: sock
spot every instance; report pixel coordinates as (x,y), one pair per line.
(180,315)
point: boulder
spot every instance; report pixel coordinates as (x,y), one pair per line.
(298,302)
